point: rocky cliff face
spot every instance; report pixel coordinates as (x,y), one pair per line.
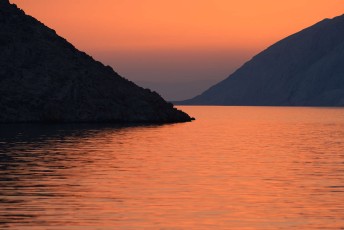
(43,78)
(305,69)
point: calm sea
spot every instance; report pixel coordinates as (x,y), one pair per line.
(233,168)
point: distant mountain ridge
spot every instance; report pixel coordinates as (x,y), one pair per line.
(44,78)
(304,69)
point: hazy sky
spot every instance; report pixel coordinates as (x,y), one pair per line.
(177,47)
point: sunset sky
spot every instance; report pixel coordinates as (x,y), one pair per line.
(179,47)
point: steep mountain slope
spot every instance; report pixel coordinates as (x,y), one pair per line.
(43,78)
(304,69)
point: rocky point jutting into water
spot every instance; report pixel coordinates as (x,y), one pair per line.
(43,78)
(305,69)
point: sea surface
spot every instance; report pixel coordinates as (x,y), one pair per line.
(233,168)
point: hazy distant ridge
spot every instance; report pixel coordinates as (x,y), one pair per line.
(304,69)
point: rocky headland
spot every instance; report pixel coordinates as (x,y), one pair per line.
(44,78)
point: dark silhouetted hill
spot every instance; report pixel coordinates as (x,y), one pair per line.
(304,69)
(43,78)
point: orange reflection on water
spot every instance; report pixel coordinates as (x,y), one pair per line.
(233,168)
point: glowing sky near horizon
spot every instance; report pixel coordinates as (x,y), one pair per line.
(190,42)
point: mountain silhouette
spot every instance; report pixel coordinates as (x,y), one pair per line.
(304,69)
(44,78)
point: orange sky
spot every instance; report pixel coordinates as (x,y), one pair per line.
(179,40)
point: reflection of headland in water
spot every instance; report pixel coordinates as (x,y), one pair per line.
(35,165)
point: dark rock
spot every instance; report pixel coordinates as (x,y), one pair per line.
(43,78)
(305,69)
